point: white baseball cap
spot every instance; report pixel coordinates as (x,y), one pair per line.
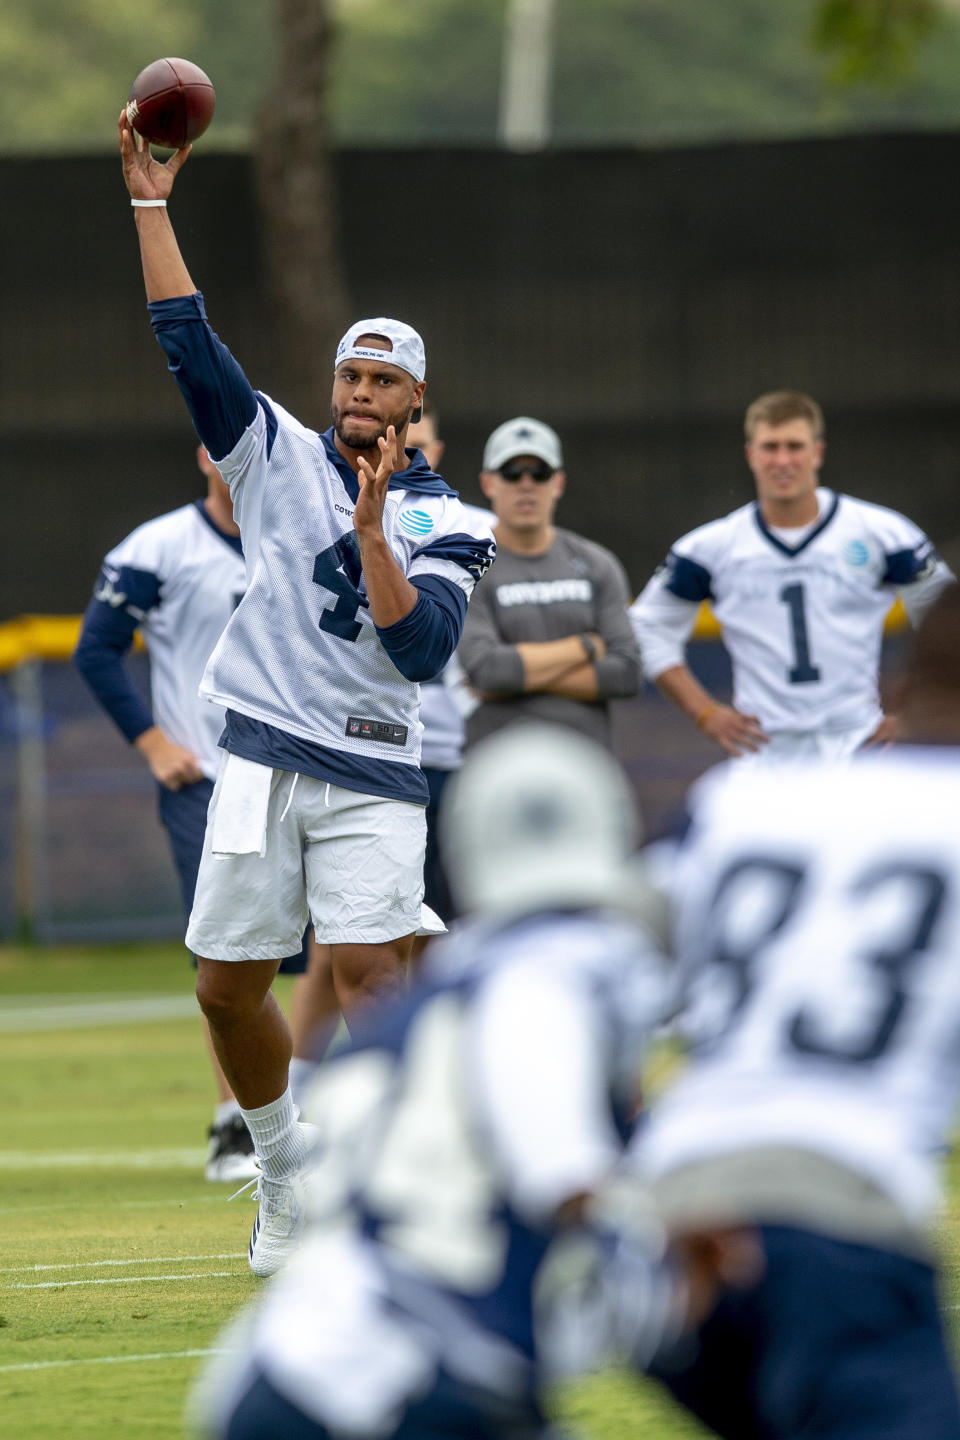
(407,353)
(539,817)
(522,436)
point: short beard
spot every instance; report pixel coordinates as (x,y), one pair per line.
(366,441)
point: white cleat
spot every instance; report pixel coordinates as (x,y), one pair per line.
(276,1230)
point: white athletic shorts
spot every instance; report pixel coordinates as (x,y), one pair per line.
(281,848)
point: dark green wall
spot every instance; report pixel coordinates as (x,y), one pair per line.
(635,300)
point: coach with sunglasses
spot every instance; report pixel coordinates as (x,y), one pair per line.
(546,635)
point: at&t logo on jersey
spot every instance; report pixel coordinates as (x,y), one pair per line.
(416,522)
(856,552)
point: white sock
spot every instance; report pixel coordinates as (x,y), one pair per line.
(225,1111)
(301,1077)
(276,1138)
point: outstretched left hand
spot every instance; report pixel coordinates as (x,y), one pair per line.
(368,511)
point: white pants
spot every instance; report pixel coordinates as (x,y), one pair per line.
(351,863)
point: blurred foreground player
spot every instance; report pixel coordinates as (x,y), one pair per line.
(818,925)
(176,579)
(361,563)
(469,1143)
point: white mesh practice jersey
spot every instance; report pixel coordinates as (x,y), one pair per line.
(817,926)
(803,623)
(446,1140)
(301,653)
(181,579)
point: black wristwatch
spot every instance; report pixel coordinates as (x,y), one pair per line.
(589,647)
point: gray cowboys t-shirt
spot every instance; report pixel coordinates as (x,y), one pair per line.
(575,587)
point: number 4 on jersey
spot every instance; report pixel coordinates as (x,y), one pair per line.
(338,569)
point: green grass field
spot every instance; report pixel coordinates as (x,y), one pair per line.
(119,1263)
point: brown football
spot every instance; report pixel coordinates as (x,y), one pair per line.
(171,103)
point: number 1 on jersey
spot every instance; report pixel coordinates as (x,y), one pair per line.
(803,670)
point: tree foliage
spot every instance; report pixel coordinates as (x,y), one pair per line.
(66,66)
(873,41)
(428,71)
(297,208)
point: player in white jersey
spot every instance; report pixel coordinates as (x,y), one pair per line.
(801,580)
(817,927)
(464,1145)
(360,562)
(177,579)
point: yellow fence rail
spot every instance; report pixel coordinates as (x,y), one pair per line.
(54,637)
(40,637)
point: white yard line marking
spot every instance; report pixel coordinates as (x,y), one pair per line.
(35,1012)
(40,999)
(127,1280)
(111,1360)
(75,1206)
(93,1264)
(182,1159)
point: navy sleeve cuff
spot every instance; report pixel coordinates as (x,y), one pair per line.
(219,396)
(905,567)
(422,642)
(688,580)
(105,638)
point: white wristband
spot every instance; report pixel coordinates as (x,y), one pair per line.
(147,204)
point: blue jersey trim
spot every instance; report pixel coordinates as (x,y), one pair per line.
(792,550)
(505,1310)
(904,567)
(267,745)
(219,396)
(131,589)
(233,541)
(270,417)
(472,553)
(417,477)
(688,580)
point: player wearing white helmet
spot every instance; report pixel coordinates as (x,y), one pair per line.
(817,923)
(472,1135)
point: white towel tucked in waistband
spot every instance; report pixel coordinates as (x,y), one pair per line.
(430,922)
(240,821)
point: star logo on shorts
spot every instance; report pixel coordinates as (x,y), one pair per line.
(397,902)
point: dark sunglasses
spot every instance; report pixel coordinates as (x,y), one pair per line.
(540,471)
